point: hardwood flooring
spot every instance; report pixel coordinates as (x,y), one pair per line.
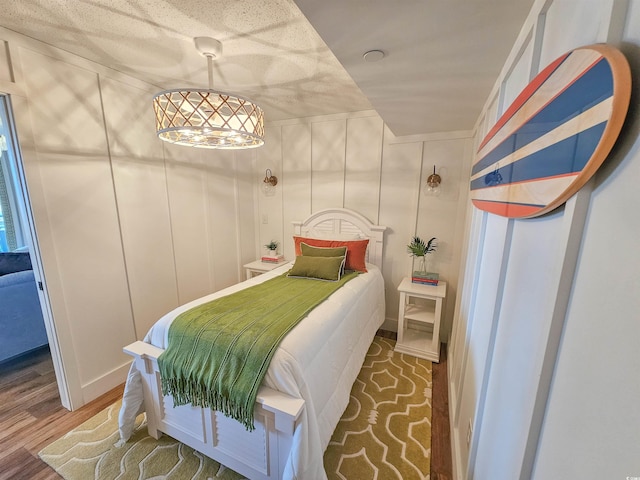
(441,467)
(31,417)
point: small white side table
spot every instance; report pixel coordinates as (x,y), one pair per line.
(419,320)
(258,266)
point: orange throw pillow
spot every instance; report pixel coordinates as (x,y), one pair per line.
(356,250)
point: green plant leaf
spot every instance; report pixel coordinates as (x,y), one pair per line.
(272,245)
(419,248)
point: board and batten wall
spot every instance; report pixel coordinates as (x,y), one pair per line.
(354,161)
(128,227)
(544,351)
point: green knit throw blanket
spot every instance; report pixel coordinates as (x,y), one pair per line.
(219,352)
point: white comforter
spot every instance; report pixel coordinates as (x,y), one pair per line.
(317,361)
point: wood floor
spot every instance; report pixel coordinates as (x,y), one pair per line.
(31,417)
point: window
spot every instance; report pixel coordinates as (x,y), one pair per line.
(12,233)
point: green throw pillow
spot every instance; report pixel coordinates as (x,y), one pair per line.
(310,251)
(323,268)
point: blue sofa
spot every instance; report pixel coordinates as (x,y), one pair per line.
(21,322)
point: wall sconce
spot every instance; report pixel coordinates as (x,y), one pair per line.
(269,184)
(432,187)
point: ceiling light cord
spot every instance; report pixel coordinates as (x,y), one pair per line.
(210,68)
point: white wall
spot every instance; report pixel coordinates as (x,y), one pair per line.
(354,161)
(595,391)
(543,353)
(128,227)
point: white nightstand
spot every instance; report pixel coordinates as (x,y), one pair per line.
(419,319)
(258,266)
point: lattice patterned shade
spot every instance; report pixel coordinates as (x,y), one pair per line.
(208,119)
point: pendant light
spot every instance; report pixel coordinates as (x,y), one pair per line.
(207,118)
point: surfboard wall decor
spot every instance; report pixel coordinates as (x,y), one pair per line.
(554,135)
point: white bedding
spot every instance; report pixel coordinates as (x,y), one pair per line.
(317,361)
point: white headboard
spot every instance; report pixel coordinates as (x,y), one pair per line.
(343,222)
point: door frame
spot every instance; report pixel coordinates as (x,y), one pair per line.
(15,157)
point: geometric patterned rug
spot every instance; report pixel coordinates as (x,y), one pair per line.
(385,433)
(89,452)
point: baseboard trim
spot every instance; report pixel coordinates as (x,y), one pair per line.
(105,383)
(456,460)
(390,324)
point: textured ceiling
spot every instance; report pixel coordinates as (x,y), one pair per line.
(442,56)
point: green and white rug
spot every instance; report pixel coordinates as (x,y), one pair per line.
(89,452)
(385,433)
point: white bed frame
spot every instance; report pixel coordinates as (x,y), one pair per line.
(260,454)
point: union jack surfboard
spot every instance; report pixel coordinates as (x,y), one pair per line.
(555,134)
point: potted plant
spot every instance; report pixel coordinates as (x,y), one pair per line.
(272,246)
(418,248)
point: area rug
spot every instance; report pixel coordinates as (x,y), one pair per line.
(90,452)
(385,433)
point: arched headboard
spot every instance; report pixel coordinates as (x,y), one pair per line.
(344,224)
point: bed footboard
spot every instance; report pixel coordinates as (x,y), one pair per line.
(260,454)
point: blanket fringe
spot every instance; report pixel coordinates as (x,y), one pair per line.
(189,392)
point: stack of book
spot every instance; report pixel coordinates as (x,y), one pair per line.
(272,258)
(425,278)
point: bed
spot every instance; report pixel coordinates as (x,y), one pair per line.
(306,388)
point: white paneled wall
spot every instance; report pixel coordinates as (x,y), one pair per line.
(328,148)
(519,76)
(399,194)
(78,191)
(589,24)
(245,208)
(295,180)
(269,221)
(186,185)
(354,161)
(531,353)
(442,216)
(128,227)
(141,190)
(222,218)
(363,160)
